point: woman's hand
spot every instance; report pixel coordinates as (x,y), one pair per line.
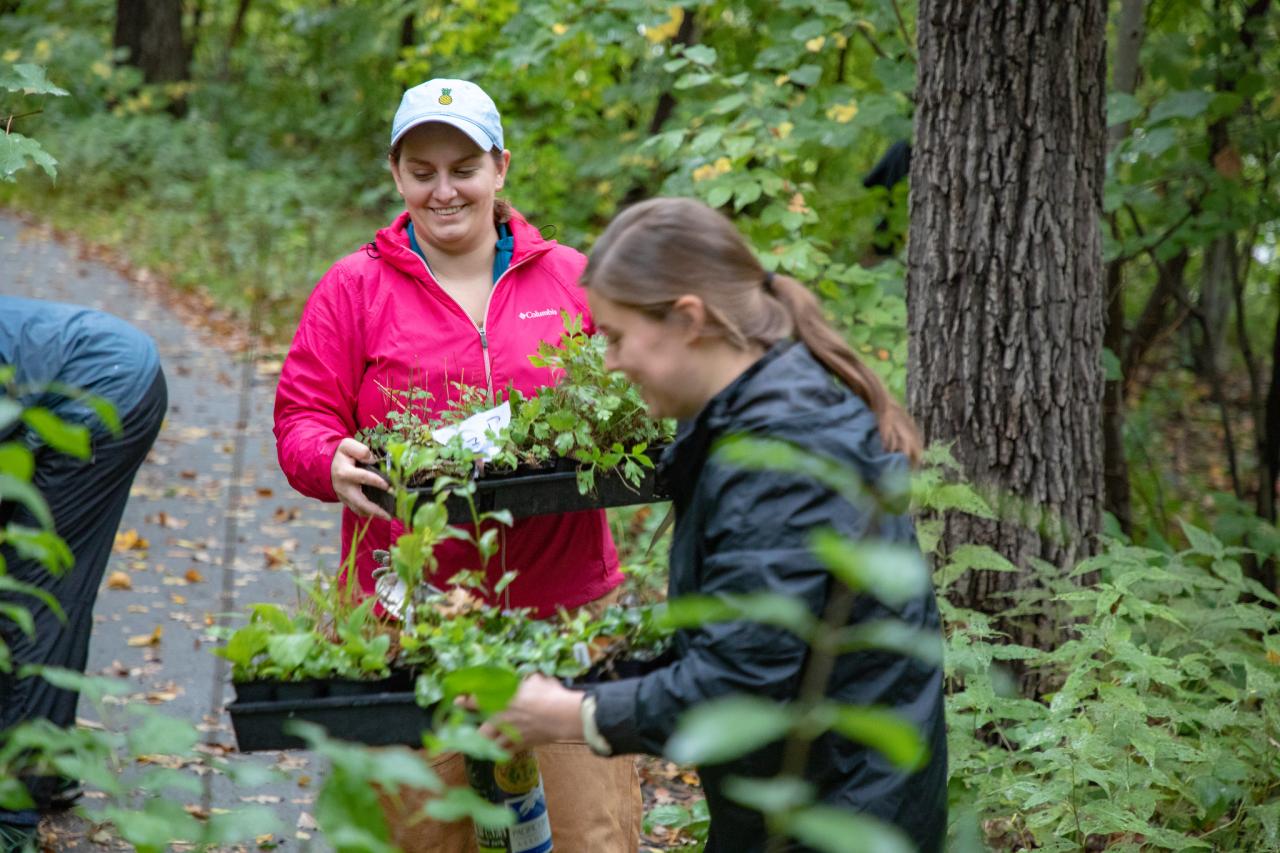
(543,711)
(347,479)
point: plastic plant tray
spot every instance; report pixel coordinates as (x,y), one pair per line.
(536,493)
(377,713)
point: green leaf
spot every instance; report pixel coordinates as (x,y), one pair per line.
(1111,368)
(290,650)
(700,54)
(462,803)
(44,546)
(10,411)
(883,730)
(1122,107)
(724,729)
(840,831)
(691,611)
(16,151)
(806,75)
(28,79)
(491,686)
(17,461)
(1202,542)
(1185,104)
(894,574)
(770,796)
(13,489)
(72,439)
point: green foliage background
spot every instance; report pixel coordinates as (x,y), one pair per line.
(269,164)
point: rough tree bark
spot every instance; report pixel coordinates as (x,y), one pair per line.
(1004,283)
(151,33)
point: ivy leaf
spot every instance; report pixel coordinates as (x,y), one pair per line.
(727,728)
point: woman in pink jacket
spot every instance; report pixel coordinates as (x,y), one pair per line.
(458,289)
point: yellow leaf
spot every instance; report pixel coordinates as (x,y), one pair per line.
(842,113)
(815,44)
(152,639)
(559,28)
(11,55)
(193,576)
(840,40)
(668,29)
(119,580)
(783,130)
(129,540)
(781,79)
(177,599)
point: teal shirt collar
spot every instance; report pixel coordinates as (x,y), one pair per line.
(505,248)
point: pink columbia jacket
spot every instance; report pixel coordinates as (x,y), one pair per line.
(378,320)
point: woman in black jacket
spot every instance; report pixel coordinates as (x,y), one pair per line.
(715,341)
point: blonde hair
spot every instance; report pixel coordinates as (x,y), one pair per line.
(659,250)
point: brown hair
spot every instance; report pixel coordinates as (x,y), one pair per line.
(501,207)
(659,250)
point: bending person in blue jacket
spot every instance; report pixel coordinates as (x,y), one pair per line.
(715,341)
(68,346)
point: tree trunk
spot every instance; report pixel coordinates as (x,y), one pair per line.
(1124,78)
(151,33)
(1004,282)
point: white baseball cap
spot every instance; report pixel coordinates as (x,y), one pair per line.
(458,103)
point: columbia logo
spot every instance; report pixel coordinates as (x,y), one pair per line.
(533,315)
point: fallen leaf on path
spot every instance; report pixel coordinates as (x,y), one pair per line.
(264,491)
(152,639)
(164,519)
(192,576)
(119,580)
(283,515)
(177,599)
(276,557)
(262,799)
(306,821)
(129,540)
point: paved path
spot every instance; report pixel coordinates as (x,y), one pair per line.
(179,506)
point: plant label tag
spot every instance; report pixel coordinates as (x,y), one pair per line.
(479,430)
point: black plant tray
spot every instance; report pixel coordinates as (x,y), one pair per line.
(377,713)
(539,493)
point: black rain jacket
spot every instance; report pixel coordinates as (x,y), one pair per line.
(748,531)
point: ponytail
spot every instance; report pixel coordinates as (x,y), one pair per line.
(898,432)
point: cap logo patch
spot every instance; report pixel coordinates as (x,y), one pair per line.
(445,97)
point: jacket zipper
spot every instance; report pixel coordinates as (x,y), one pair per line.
(480,329)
